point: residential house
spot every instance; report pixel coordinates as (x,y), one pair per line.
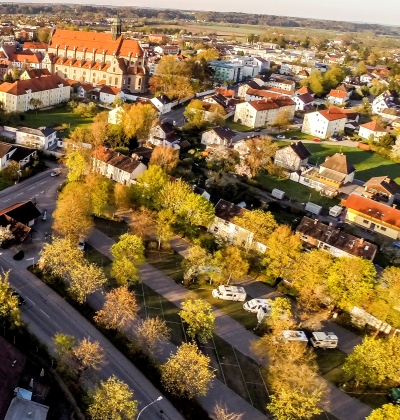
(303,102)
(256,94)
(49,90)
(224,226)
(10,153)
(252,84)
(167,49)
(33,74)
(227,71)
(22,407)
(115,115)
(201,191)
(372,130)
(85,90)
(304,90)
(218,135)
(162,103)
(164,134)
(315,234)
(36,46)
(381,188)
(386,101)
(325,123)
(15,58)
(280,82)
(293,157)
(330,176)
(108,94)
(42,138)
(263,112)
(373,216)
(339,96)
(116,166)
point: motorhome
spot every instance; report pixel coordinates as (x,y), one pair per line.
(236,293)
(324,340)
(291,335)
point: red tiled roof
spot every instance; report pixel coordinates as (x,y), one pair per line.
(374,126)
(36,85)
(337,94)
(332,114)
(373,209)
(36,45)
(110,90)
(271,103)
(305,89)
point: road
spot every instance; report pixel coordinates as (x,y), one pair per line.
(46,313)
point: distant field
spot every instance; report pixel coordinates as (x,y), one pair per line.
(222,29)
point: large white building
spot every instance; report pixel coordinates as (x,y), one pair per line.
(323,124)
(263,113)
(49,90)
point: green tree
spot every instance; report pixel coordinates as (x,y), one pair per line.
(15,73)
(233,265)
(119,309)
(334,77)
(35,103)
(138,120)
(165,220)
(197,261)
(195,115)
(44,35)
(128,255)
(146,192)
(187,373)
(10,313)
(315,82)
(117,102)
(350,281)
(199,317)
(112,400)
(63,345)
(76,160)
(101,193)
(373,362)
(360,69)
(72,217)
(386,412)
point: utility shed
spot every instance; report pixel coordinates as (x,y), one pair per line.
(21,408)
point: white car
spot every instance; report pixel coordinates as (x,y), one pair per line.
(280,136)
(81,244)
(254,305)
(56,172)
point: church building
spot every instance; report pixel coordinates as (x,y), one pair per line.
(98,58)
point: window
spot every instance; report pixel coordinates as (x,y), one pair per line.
(129,80)
(215,229)
(116,81)
(366,221)
(226,223)
(383,228)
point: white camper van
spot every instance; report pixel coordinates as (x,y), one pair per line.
(324,340)
(229,293)
(291,335)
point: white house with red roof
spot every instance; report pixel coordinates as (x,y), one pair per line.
(339,96)
(372,130)
(109,93)
(323,124)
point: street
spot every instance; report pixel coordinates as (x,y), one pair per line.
(46,313)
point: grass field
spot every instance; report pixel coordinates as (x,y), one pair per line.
(367,164)
(55,117)
(169,263)
(111,228)
(236,126)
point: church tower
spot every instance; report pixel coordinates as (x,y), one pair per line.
(116,28)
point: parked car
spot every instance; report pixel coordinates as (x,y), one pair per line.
(280,136)
(254,305)
(317,140)
(56,172)
(229,293)
(257,130)
(81,244)
(44,214)
(294,138)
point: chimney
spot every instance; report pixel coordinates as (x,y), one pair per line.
(394,206)
(315,222)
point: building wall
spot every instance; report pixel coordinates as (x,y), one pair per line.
(286,158)
(365,133)
(315,124)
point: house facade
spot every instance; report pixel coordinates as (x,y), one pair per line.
(382,189)
(323,124)
(163,134)
(49,90)
(292,157)
(218,135)
(373,216)
(42,138)
(162,103)
(372,130)
(10,153)
(98,58)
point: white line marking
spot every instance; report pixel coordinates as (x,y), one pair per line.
(30,300)
(41,192)
(31,188)
(44,313)
(19,194)
(7,200)
(42,182)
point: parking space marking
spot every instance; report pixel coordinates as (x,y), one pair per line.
(31,188)
(241,372)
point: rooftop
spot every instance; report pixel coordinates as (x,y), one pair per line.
(21,409)
(227,211)
(338,163)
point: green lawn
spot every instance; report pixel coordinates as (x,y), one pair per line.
(169,263)
(294,190)
(367,164)
(236,126)
(297,133)
(111,228)
(55,117)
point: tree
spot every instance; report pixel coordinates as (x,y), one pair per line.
(138,120)
(208,54)
(199,317)
(85,279)
(283,250)
(334,77)
(142,222)
(281,317)
(195,114)
(76,161)
(99,130)
(72,216)
(350,281)
(373,362)
(10,313)
(117,102)
(5,234)
(197,261)
(89,355)
(164,221)
(260,152)
(119,309)
(151,332)
(386,412)
(35,103)
(216,114)
(63,345)
(261,223)
(121,196)
(44,35)
(360,69)
(128,255)
(165,157)
(112,400)
(221,412)
(146,192)
(187,373)
(233,265)
(315,82)
(101,193)
(282,119)
(15,73)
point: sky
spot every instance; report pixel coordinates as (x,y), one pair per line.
(371,11)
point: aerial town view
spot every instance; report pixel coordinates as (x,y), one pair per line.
(199,210)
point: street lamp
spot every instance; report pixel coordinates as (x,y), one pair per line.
(148,405)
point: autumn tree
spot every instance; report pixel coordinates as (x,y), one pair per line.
(282,119)
(36,103)
(84,280)
(360,69)
(283,250)
(281,317)
(113,400)
(315,82)
(5,234)
(216,114)
(99,130)
(350,281)
(334,77)
(77,162)
(101,190)
(197,261)
(261,223)
(150,333)
(165,220)
(128,255)
(142,221)
(259,155)
(63,345)
(119,309)
(372,362)
(199,317)
(221,412)
(146,192)
(234,266)
(208,54)
(121,196)
(138,120)
(88,355)
(165,157)
(187,373)
(44,35)
(10,314)
(72,217)
(195,114)
(386,412)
